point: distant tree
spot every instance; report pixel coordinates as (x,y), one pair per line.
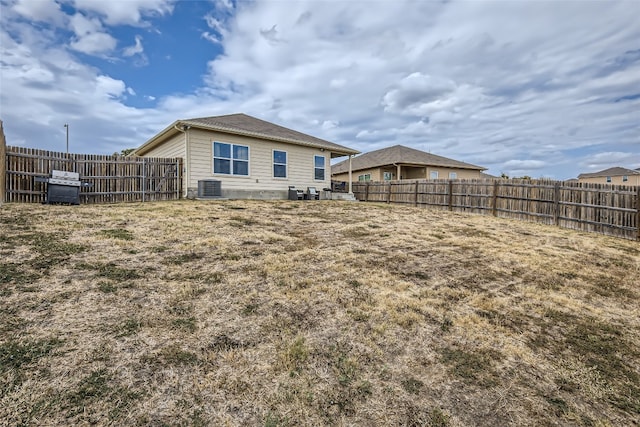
(124,152)
(505,176)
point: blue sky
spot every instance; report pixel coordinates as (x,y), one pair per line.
(539,88)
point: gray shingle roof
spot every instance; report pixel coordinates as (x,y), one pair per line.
(242,124)
(615,171)
(399,154)
(251,126)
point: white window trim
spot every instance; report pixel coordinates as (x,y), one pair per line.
(324,168)
(608,179)
(364,177)
(431,174)
(286,165)
(231,174)
(625,178)
(453,175)
(384,176)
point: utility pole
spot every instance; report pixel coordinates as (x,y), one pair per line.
(66,125)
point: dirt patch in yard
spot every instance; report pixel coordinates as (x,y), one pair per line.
(312,313)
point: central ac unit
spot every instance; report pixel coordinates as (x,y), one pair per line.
(209,188)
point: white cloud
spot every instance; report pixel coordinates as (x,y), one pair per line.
(225,5)
(490,90)
(41,11)
(271,35)
(214,23)
(418,92)
(524,164)
(59,90)
(94,44)
(90,37)
(136,49)
(610,159)
(129,12)
(337,83)
(211,37)
(107,87)
(82,25)
(330,124)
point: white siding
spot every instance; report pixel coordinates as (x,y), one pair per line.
(300,166)
(173,147)
(615,180)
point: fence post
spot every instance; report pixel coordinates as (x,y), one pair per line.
(415,194)
(494,208)
(178,178)
(366,191)
(144,176)
(3,161)
(450,195)
(638,212)
(556,203)
(389,193)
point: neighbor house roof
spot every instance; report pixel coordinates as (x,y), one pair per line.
(488,176)
(399,154)
(242,124)
(615,171)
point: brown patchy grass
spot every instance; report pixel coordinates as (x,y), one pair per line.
(291,313)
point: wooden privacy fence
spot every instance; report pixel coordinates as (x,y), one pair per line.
(110,179)
(600,208)
(3,147)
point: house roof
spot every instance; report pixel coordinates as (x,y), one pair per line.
(399,154)
(242,124)
(488,176)
(615,171)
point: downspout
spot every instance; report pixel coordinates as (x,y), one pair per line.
(350,176)
(398,170)
(187,155)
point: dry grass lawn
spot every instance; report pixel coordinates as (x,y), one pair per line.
(312,313)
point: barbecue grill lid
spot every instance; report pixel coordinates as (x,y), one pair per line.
(74,176)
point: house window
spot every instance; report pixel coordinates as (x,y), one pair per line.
(608,179)
(433,175)
(388,176)
(625,178)
(279,164)
(365,177)
(318,167)
(230,159)
(453,175)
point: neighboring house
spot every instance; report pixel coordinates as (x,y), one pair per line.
(400,162)
(250,157)
(484,175)
(614,176)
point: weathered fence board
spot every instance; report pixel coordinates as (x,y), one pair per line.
(3,148)
(606,209)
(110,179)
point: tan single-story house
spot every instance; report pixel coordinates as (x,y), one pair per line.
(615,176)
(400,162)
(251,158)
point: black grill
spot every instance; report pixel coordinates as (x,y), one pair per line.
(63,187)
